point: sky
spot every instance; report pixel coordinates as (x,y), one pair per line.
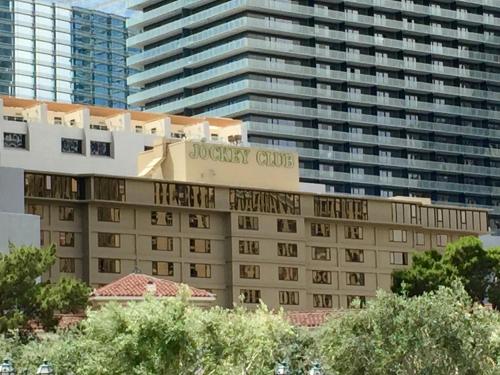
(111,6)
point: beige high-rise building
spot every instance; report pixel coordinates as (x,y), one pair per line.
(234,221)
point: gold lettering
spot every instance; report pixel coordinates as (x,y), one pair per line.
(244,155)
(195,153)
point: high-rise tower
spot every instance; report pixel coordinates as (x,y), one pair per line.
(379,97)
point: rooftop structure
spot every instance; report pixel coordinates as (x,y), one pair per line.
(378,97)
(72,138)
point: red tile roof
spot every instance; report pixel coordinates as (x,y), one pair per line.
(137,285)
(309,319)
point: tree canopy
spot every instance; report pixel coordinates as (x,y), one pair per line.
(24,298)
(434,334)
(466,260)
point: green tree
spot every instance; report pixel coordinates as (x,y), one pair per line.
(24,298)
(434,334)
(465,260)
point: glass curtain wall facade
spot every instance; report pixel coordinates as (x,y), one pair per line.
(379,97)
(56,53)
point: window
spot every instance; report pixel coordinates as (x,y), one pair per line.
(108,214)
(109,189)
(199,221)
(163,269)
(288,273)
(322,301)
(264,201)
(351,299)
(287,226)
(108,240)
(248,247)
(287,297)
(419,239)
(199,246)
(397,235)
(442,239)
(66,213)
(399,258)
(354,255)
(14,140)
(355,278)
(321,277)
(320,230)
(321,253)
(67,265)
(71,146)
(249,271)
(161,218)
(35,209)
(100,148)
(109,265)
(66,239)
(200,270)
(44,237)
(184,195)
(250,295)
(354,233)
(341,208)
(287,249)
(161,243)
(248,222)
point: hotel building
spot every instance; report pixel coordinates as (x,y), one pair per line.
(68,54)
(185,199)
(378,97)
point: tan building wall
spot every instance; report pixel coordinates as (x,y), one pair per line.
(306,251)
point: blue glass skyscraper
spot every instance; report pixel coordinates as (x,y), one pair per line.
(68,54)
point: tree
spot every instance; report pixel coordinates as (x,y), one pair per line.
(24,298)
(466,260)
(437,333)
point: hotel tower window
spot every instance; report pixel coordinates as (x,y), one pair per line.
(199,221)
(354,255)
(100,148)
(320,230)
(351,299)
(161,243)
(321,253)
(108,239)
(399,258)
(287,249)
(397,235)
(200,270)
(354,233)
(248,222)
(321,277)
(250,295)
(109,265)
(184,195)
(161,218)
(248,247)
(441,239)
(14,140)
(287,226)
(322,301)
(249,271)
(67,265)
(109,189)
(66,239)
(108,214)
(287,297)
(66,213)
(162,268)
(355,278)
(199,246)
(288,273)
(264,201)
(71,146)
(35,209)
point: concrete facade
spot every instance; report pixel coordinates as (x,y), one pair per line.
(16,227)
(298,250)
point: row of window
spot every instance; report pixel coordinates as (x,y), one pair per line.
(287,297)
(158,268)
(68,145)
